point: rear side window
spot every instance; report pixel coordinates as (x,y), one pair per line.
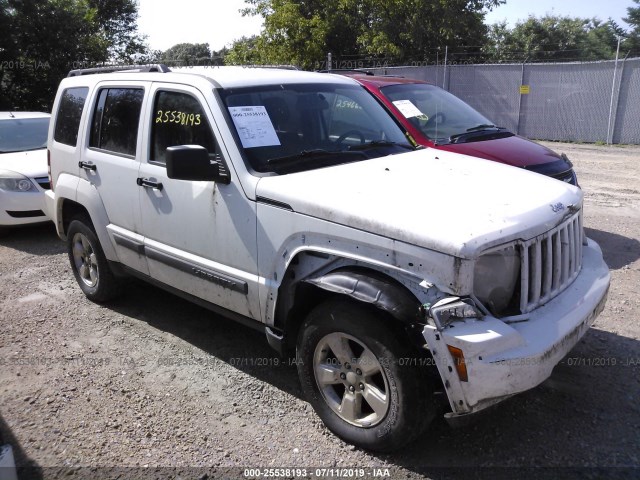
(69,113)
(115,120)
(179,120)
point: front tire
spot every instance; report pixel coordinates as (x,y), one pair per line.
(362,376)
(88,262)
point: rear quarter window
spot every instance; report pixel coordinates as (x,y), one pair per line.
(115,121)
(69,114)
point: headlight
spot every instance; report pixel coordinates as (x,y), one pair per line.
(495,278)
(451,309)
(14,182)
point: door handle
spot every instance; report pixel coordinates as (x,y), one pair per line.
(87,166)
(146,183)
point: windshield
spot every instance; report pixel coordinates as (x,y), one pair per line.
(438,114)
(22,134)
(288,128)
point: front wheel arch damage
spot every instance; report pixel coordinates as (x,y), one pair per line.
(298,295)
(393,302)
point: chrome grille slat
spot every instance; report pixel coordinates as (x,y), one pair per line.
(548,267)
(564,241)
(550,262)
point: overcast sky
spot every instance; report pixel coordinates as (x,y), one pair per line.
(219,23)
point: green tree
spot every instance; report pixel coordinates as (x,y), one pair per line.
(187,54)
(244,51)
(302,32)
(44,39)
(117,22)
(551,38)
(632,42)
(218,56)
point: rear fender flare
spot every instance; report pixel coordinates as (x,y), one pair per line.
(89,198)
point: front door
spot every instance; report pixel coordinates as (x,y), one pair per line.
(200,236)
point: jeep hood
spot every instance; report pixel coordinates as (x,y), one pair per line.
(443,201)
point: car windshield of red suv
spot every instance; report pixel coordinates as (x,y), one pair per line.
(439,115)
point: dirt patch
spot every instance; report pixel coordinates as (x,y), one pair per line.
(153,384)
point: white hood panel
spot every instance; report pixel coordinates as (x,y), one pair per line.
(439,200)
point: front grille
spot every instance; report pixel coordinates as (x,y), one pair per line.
(550,262)
(567,177)
(560,170)
(44,183)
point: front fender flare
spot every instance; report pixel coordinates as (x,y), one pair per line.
(374,289)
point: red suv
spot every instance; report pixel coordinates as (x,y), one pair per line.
(435,118)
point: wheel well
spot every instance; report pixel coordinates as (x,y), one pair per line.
(298,297)
(71,210)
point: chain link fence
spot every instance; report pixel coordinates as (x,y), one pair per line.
(579,102)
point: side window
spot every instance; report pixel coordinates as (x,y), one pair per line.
(115,120)
(69,113)
(178,120)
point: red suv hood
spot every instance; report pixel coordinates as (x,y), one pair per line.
(515,150)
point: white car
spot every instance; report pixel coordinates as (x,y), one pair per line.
(292,202)
(23,167)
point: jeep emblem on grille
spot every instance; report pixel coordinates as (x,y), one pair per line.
(558,207)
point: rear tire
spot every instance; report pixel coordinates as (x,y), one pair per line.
(362,377)
(88,262)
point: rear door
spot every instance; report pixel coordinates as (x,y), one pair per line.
(111,162)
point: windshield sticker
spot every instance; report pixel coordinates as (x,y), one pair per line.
(254,126)
(408,109)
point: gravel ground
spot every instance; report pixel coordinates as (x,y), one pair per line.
(152,386)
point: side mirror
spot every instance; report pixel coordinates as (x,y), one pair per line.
(192,162)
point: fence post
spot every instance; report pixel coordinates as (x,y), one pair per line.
(444,75)
(613,91)
(614,117)
(520,97)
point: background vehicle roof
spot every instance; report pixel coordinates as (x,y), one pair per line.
(382,80)
(20,115)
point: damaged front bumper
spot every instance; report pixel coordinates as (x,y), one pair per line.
(501,359)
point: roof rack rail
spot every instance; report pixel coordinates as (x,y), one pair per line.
(161,68)
(284,67)
(346,70)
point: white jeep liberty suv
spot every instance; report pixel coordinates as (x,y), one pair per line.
(291,201)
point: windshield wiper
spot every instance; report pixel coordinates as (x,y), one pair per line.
(477,129)
(308,154)
(483,126)
(379,143)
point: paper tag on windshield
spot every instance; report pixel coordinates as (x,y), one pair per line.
(408,109)
(254,126)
